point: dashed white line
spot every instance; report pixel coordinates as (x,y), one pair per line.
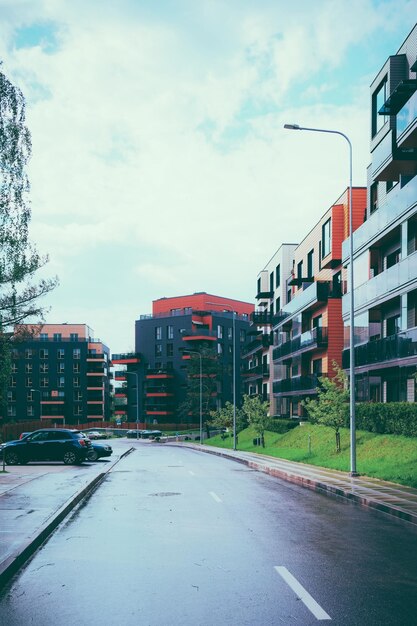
(302,593)
(215,496)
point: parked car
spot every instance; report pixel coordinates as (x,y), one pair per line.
(99,450)
(133,434)
(24,435)
(95,434)
(48,444)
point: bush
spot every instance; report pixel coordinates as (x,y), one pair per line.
(391,418)
(281,425)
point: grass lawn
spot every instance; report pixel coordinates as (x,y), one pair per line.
(389,457)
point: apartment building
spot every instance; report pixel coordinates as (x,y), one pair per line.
(385,258)
(271,296)
(308,330)
(59,375)
(197,323)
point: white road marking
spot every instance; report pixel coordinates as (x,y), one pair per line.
(215,496)
(302,593)
(191,472)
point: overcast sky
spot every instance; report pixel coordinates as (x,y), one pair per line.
(160,166)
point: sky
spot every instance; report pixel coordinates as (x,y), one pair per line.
(160,165)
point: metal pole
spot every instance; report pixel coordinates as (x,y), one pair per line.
(137,401)
(234,381)
(353,471)
(201,397)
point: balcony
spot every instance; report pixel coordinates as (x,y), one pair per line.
(259,371)
(389,161)
(298,383)
(407,124)
(400,346)
(399,200)
(264,295)
(262,341)
(261,318)
(384,286)
(128,357)
(199,335)
(310,340)
(303,300)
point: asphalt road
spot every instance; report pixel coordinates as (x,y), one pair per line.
(175,537)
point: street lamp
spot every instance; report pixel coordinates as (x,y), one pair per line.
(353,471)
(137,400)
(226,306)
(40,401)
(187,351)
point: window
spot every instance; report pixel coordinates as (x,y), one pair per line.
(271,281)
(277,275)
(158,333)
(28,368)
(78,396)
(300,270)
(12,381)
(61,368)
(373,198)
(61,381)
(57,337)
(277,305)
(219,331)
(30,411)
(317,367)
(44,353)
(170,332)
(14,368)
(78,411)
(76,368)
(378,99)
(43,337)
(219,348)
(393,258)
(44,368)
(170,349)
(76,381)
(76,353)
(242,335)
(28,353)
(74,337)
(44,381)
(61,353)
(29,381)
(326,238)
(11,411)
(158,349)
(11,396)
(393,325)
(310,264)
(289,295)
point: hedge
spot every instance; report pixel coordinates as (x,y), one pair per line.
(282,425)
(394,418)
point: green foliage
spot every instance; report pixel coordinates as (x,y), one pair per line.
(281,425)
(331,407)
(211,372)
(223,418)
(257,414)
(397,418)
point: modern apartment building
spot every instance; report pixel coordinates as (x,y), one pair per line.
(59,375)
(385,257)
(197,323)
(271,296)
(308,330)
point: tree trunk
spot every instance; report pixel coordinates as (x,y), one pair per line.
(338,441)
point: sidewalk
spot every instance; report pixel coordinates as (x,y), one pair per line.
(382,496)
(35,498)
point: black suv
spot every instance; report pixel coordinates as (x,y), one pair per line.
(48,444)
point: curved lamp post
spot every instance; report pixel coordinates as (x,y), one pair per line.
(137,400)
(353,471)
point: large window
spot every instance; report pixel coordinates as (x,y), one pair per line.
(326,238)
(170,332)
(310,264)
(277,275)
(378,99)
(158,333)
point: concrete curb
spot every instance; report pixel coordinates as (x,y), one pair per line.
(316,485)
(11,564)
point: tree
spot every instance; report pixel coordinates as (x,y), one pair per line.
(224,417)
(257,414)
(19,260)
(331,407)
(211,370)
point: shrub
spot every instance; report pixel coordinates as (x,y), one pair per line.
(281,425)
(392,418)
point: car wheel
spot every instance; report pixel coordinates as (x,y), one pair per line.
(92,456)
(70,458)
(11,458)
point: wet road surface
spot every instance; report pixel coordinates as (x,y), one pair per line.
(177,537)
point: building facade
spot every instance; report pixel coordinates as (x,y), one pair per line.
(385,258)
(59,375)
(308,330)
(164,341)
(271,296)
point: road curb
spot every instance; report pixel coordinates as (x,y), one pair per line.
(316,485)
(12,563)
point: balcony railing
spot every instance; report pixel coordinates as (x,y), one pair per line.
(318,291)
(405,118)
(298,383)
(261,317)
(400,346)
(126,357)
(259,371)
(389,281)
(388,161)
(398,201)
(315,338)
(262,341)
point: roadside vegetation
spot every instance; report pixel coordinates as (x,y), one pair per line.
(388,457)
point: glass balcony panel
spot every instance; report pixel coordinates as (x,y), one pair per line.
(406,116)
(400,346)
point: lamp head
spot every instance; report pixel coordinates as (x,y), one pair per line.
(292,126)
